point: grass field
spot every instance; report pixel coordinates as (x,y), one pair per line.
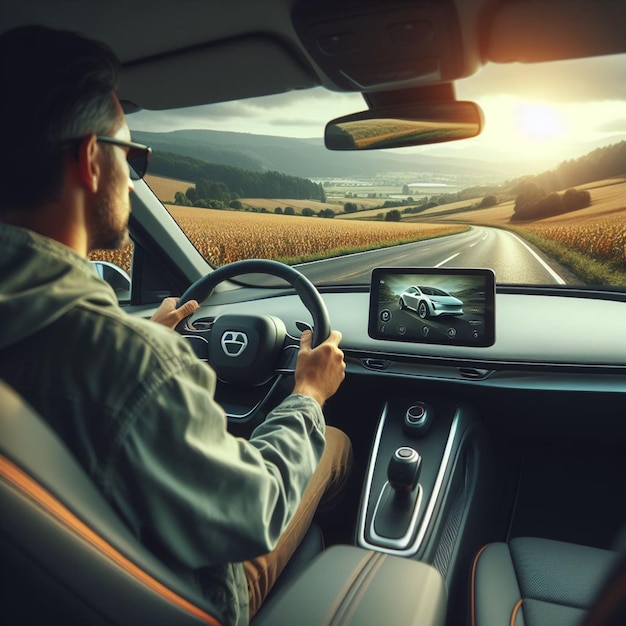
(166,188)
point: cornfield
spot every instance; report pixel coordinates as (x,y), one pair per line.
(226,236)
(121,258)
(603,240)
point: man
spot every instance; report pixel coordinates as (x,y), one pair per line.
(127,395)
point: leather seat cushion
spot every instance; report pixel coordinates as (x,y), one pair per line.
(556,582)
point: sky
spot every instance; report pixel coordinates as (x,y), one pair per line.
(538,113)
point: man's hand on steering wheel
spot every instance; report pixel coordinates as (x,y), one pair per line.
(169,315)
(319,370)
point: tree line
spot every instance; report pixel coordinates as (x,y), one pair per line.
(598,164)
(224,184)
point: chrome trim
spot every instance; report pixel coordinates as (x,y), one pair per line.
(370,476)
(234,338)
(432,501)
(419,421)
(287,370)
(189,338)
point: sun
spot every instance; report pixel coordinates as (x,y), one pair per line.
(538,121)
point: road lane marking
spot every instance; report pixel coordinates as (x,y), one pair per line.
(545,266)
(448,259)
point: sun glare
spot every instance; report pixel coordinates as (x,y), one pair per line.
(540,122)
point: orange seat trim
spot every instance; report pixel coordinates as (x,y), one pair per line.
(516,610)
(473,587)
(27,485)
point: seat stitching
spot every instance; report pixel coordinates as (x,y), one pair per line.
(349,600)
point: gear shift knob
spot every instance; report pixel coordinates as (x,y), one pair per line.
(404,469)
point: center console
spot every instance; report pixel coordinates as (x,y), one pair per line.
(423,496)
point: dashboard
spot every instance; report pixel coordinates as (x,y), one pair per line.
(560,332)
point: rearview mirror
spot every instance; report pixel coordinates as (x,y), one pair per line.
(404,125)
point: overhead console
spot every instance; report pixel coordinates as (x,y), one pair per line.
(414,42)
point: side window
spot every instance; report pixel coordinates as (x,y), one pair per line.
(114,267)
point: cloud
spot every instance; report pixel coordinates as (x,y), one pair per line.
(579,80)
(296,113)
(614,126)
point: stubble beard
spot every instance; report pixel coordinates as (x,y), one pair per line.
(109,227)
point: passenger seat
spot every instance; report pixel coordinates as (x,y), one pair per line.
(541,582)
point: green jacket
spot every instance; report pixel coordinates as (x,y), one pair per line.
(136,407)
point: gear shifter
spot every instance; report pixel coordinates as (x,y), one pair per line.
(404,469)
(399,500)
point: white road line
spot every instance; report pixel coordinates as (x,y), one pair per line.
(448,259)
(545,266)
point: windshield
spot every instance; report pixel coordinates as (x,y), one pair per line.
(539,196)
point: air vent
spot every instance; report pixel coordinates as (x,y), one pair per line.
(376,364)
(474,372)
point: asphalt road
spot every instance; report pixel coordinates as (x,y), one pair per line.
(507,255)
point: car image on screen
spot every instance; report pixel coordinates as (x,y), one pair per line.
(430,301)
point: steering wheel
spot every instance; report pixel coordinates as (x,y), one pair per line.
(250,349)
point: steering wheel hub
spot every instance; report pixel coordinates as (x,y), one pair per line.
(245,348)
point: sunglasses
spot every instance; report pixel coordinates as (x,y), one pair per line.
(137,156)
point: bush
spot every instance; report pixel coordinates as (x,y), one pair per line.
(529,194)
(328,213)
(192,194)
(181,199)
(574,199)
(393,216)
(201,203)
(307,212)
(488,201)
(550,205)
(289,210)
(533,203)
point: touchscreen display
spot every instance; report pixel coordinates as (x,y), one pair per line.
(428,305)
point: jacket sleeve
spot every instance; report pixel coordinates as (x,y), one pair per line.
(204,496)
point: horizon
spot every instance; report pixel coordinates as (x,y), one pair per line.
(537,114)
(501,178)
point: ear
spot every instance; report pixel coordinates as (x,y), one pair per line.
(89,169)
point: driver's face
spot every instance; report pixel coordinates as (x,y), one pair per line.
(108,226)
